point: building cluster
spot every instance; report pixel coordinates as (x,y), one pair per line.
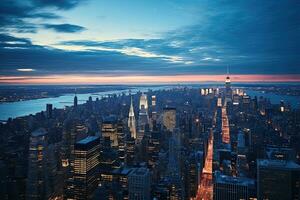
(183,143)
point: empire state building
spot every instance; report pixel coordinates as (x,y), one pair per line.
(228,91)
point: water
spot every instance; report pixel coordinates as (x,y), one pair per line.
(23,108)
(294,101)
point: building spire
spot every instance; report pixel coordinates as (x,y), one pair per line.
(131,110)
(131,120)
(227,77)
(228,72)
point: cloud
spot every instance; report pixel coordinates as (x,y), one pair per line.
(210,59)
(132,47)
(15,16)
(7,41)
(25,70)
(65,28)
(60,4)
(47,60)
(253,38)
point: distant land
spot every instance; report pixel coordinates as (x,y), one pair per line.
(14,93)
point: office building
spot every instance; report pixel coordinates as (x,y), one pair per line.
(231,188)
(110,129)
(139,184)
(278,179)
(37,186)
(49,110)
(86,166)
(169,118)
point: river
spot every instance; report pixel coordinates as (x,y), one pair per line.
(23,108)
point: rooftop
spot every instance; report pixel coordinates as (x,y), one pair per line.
(225,179)
(276,164)
(139,171)
(88,140)
(122,171)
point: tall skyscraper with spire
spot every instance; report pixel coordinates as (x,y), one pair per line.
(131,121)
(227,81)
(228,91)
(75,100)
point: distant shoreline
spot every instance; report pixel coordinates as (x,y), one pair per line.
(19,93)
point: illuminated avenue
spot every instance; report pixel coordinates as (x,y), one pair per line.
(205,189)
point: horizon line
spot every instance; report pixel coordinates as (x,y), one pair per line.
(146,79)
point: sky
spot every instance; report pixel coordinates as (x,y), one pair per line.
(148,41)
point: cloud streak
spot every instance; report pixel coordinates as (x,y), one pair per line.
(65,28)
(17,16)
(25,70)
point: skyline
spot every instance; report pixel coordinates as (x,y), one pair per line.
(98,42)
(149,99)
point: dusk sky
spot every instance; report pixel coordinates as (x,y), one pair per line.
(139,41)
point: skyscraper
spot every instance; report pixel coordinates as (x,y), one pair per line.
(169,118)
(37,177)
(139,184)
(130,151)
(143,117)
(86,166)
(49,110)
(278,179)
(173,168)
(131,121)
(153,100)
(231,188)
(153,110)
(110,129)
(228,90)
(75,103)
(143,102)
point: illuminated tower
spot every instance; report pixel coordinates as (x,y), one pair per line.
(86,167)
(228,91)
(153,109)
(143,116)
(143,102)
(227,82)
(131,120)
(153,100)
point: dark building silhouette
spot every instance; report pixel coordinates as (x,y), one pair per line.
(278,179)
(86,166)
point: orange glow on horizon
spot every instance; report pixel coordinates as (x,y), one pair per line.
(134,79)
